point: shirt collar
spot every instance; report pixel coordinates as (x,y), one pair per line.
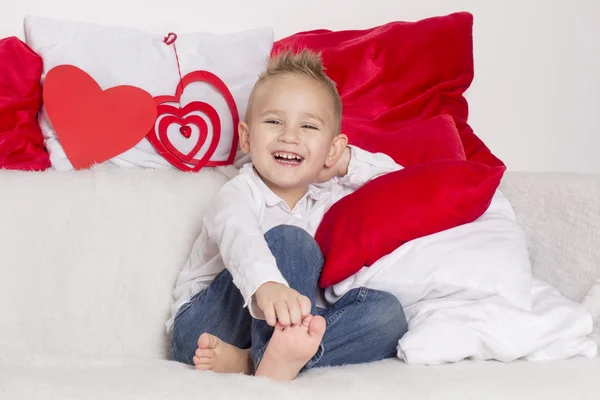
(271,199)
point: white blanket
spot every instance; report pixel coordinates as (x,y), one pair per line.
(468,293)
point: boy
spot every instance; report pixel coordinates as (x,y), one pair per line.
(247,298)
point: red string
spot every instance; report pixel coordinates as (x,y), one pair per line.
(170,40)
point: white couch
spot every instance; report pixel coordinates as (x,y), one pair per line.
(88,261)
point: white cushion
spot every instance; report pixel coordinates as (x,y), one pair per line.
(476,260)
(468,293)
(560,214)
(88,378)
(88,259)
(122,56)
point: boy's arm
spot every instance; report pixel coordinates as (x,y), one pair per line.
(233,223)
(359,166)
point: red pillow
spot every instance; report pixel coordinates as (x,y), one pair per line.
(21,141)
(399,73)
(433,139)
(401,206)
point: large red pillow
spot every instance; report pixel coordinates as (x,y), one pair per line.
(401,206)
(429,140)
(399,73)
(21,141)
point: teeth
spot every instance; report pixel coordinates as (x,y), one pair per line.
(288,156)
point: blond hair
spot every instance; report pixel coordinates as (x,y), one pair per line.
(303,63)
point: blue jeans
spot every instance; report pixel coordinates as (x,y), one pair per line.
(363,326)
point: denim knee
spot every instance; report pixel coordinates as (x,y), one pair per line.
(291,246)
(290,235)
(390,323)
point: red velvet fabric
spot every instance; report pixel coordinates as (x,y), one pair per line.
(429,140)
(21,141)
(401,206)
(397,74)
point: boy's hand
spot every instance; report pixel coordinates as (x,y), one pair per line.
(339,169)
(281,304)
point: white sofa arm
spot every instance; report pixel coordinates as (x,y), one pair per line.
(560,213)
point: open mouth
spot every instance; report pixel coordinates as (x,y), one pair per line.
(288,158)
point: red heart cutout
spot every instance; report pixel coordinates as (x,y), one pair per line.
(163,145)
(182,117)
(95,125)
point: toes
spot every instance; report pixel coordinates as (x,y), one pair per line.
(205,353)
(203,363)
(208,341)
(306,320)
(317,326)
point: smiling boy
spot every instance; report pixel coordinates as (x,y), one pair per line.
(247,298)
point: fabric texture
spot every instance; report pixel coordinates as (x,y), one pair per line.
(561,223)
(363,326)
(592,303)
(88,259)
(432,139)
(555,328)
(115,56)
(21,142)
(399,207)
(402,72)
(89,378)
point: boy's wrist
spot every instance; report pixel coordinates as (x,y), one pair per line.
(344,162)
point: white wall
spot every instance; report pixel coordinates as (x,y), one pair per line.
(536,96)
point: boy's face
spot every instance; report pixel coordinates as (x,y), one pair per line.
(291,131)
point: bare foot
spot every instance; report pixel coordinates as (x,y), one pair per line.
(213,354)
(291,348)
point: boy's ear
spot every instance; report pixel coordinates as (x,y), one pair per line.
(244,134)
(336,150)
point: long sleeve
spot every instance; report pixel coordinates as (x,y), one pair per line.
(233,223)
(365,166)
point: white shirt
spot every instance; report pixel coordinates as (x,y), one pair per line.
(244,210)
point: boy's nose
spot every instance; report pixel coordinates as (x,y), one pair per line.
(289,134)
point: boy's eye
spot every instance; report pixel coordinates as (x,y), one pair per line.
(272,121)
(306,126)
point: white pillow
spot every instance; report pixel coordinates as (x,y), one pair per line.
(122,56)
(486,257)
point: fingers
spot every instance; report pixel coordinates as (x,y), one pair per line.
(294,309)
(305,306)
(283,315)
(270,315)
(285,307)
(298,308)
(306,320)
